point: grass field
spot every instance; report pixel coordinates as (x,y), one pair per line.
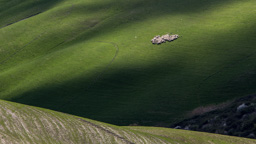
(26,124)
(93,58)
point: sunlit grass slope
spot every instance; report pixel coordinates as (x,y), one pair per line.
(93,58)
(26,124)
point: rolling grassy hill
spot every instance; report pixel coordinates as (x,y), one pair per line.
(26,124)
(93,58)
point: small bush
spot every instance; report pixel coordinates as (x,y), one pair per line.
(231,132)
(247,126)
(247,110)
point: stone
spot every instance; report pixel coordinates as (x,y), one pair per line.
(177,127)
(241,107)
(186,128)
(251,136)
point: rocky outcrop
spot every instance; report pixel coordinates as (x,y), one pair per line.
(237,119)
(162,39)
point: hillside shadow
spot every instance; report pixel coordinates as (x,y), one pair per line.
(18,10)
(117,97)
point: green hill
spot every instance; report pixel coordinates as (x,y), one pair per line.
(26,124)
(94,58)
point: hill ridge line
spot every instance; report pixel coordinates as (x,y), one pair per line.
(107,131)
(21,20)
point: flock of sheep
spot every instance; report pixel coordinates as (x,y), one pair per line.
(162,39)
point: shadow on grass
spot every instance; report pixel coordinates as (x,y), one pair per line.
(15,11)
(117,97)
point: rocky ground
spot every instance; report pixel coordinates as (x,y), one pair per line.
(237,119)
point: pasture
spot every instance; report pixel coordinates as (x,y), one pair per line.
(94,58)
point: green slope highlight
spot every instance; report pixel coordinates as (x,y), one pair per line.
(93,58)
(26,124)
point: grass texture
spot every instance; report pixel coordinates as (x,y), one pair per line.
(94,58)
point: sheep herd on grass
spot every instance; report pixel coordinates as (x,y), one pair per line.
(162,39)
